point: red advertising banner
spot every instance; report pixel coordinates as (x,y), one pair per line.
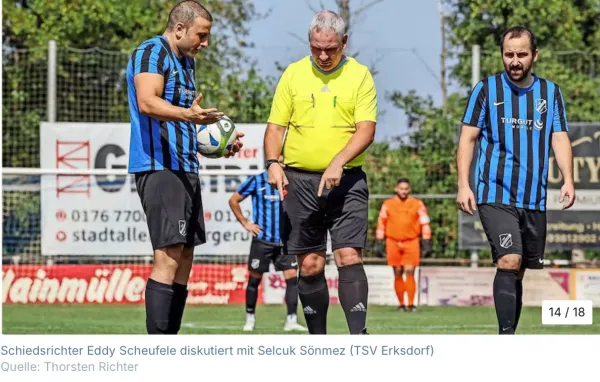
(116,284)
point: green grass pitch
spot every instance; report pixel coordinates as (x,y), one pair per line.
(229,319)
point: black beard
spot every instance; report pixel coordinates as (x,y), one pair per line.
(524,73)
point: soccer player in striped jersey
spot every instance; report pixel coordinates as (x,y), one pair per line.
(517,117)
(164,109)
(266,246)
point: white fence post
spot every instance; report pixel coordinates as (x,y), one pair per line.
(51,82)
(476,65)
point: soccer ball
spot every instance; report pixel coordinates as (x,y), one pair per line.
(215,140)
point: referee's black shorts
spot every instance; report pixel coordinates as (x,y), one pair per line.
(173,206)
(306,218)
(517,231)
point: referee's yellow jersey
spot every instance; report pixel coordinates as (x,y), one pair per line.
(321,110)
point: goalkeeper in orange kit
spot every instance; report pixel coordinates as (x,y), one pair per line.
(402,220)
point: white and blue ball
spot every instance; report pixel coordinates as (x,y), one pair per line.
(216,140)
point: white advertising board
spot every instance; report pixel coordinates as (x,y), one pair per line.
(586,285)
(102,215)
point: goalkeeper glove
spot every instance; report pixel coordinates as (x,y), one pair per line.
(380,249)
(426,248)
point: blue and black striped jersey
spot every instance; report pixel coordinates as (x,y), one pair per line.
(266,206)
(156,144)
(516,136)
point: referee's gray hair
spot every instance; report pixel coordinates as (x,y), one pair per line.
(324,20)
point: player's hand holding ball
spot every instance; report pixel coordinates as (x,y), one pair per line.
(219,139)
(201,116)
(236,145)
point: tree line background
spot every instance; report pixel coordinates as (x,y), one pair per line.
(95,30)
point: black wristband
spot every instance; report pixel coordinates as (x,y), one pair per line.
(269,162)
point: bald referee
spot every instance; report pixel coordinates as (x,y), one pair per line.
(164,109)
(517,117)
(327,103)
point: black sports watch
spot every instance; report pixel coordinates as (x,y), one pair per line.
(269,162)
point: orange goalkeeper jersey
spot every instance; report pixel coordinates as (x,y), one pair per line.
(403,220)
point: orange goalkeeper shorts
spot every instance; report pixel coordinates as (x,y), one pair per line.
(403,253)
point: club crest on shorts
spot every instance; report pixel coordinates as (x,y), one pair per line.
(182,228)
(255,263)
(506,240)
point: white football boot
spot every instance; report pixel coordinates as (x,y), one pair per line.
(291,324)
(250,322)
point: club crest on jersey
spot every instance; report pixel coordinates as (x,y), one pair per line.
(541,105)
(255,263)
(506,240)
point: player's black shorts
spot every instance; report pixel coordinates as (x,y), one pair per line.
(518,231)
(263,253)
(343,211)
(173,206)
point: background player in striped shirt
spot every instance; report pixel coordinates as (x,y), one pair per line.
(266,246)
(402,220)
(163,156)
(517,117)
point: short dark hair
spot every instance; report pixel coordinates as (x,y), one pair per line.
(516,32)
(186,12)
(403,180)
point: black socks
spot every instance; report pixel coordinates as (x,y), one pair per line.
(519,302)
(252,294)
(505,300)
(180,294)
(291,295)
(164,307)
(314,296)
(353,293)
(159,301)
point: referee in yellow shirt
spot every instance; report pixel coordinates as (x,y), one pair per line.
(327,103)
